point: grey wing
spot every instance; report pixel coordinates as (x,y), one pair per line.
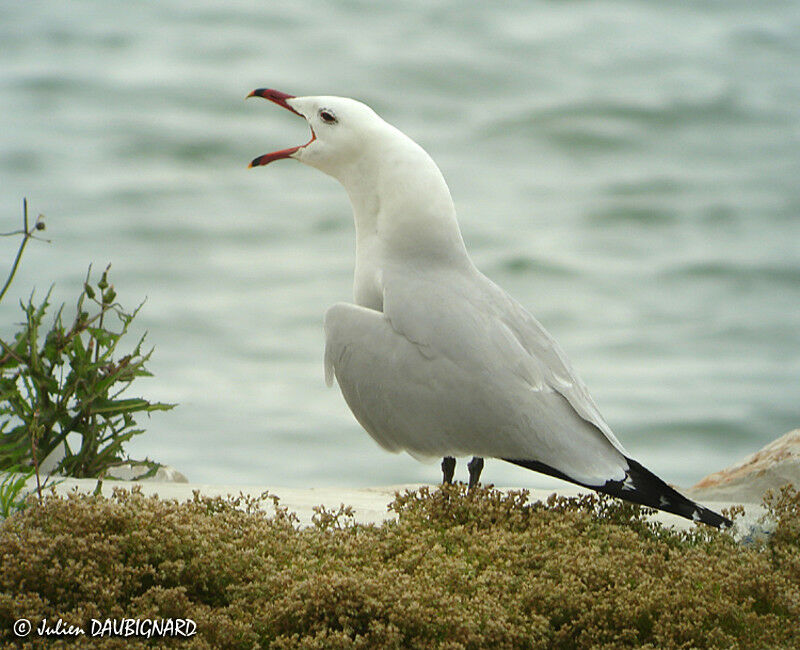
(559,373)
(407,397)
(437,378)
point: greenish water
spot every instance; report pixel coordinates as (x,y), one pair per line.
(627,170)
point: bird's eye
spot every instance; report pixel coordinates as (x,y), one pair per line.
(327,116)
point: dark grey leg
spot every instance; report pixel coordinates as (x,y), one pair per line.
(475,467)
(448,469)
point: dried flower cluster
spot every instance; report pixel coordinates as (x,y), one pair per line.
(457,570)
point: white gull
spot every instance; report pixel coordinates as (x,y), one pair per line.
(434,358)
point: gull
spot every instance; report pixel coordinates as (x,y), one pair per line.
(432,357)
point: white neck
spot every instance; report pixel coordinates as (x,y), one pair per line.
(404,215)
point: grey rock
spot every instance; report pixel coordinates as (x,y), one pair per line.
(136,471)
(771,467)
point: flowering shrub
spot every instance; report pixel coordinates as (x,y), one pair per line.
(484,569)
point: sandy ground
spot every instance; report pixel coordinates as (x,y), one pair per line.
(369,504)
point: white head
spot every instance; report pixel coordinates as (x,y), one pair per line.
(397,191)
(343,131)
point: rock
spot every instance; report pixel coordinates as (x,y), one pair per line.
(169,474)
(769,468)
(48,465)
(136,471)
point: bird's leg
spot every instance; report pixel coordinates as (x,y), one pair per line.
(475,467)
(448,469)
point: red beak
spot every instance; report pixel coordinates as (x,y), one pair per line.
(275,96)
(279,98)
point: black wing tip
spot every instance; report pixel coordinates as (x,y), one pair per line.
(643,487)
(712,518)
(651,491)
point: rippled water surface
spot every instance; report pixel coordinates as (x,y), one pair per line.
(627,170)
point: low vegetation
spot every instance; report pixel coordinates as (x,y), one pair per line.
(484,569)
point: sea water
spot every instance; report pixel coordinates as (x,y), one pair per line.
(627,170)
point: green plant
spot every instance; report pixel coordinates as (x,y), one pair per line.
(27,234)
(12,486)
(71,383)
(15,478)
(63,391)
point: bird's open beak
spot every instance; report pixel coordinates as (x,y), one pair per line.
(279,98)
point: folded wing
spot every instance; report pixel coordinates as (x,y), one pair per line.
(436,374)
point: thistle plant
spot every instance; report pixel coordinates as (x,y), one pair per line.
(62,382)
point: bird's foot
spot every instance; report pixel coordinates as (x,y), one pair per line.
(475,467)
(448,469)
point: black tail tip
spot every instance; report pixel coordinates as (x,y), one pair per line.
(711,518)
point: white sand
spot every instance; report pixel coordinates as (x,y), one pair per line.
(369,504)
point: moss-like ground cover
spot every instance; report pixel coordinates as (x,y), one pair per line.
(457,570)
